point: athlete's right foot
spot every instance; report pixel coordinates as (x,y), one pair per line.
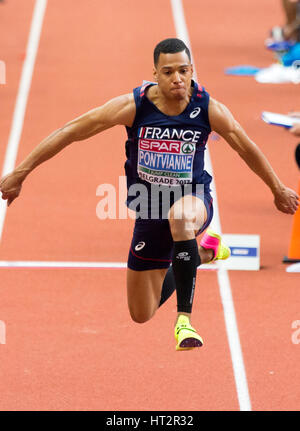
(213,241)
(185,335)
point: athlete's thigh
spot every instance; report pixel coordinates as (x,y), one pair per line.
(145,284)
(144,292)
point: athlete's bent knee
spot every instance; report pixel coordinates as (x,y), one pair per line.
(140,317)
(184,226)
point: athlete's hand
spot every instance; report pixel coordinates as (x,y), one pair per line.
(295,130)
(10,186)
(294,114)
(286,200)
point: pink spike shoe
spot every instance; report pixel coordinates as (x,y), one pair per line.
(213,241)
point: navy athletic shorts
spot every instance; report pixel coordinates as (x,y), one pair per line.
(152,242)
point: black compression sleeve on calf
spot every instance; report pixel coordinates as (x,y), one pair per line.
(185,261)
(169,285)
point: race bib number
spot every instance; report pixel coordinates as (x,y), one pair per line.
(167,162)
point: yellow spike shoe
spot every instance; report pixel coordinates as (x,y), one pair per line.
(185,335)
(213,241)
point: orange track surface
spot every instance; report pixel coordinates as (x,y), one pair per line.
(70,342)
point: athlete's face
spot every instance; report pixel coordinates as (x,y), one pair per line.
(173,74)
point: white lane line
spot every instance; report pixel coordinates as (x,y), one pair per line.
(223,279)
(73,264)
(22,97)
(59,264)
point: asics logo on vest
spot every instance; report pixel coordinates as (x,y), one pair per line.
(140,245)
(195,112)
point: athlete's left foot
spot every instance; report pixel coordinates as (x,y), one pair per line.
(185,335)
(213,241)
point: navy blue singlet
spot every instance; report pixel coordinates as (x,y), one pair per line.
(168,150)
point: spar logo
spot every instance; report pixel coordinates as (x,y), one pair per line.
(188,148)
(160,146)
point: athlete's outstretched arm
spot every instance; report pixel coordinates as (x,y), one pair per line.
(120,110)
(223,122)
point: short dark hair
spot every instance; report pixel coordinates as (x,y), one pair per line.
(170,46)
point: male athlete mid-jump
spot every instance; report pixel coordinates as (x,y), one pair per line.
(168,123)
